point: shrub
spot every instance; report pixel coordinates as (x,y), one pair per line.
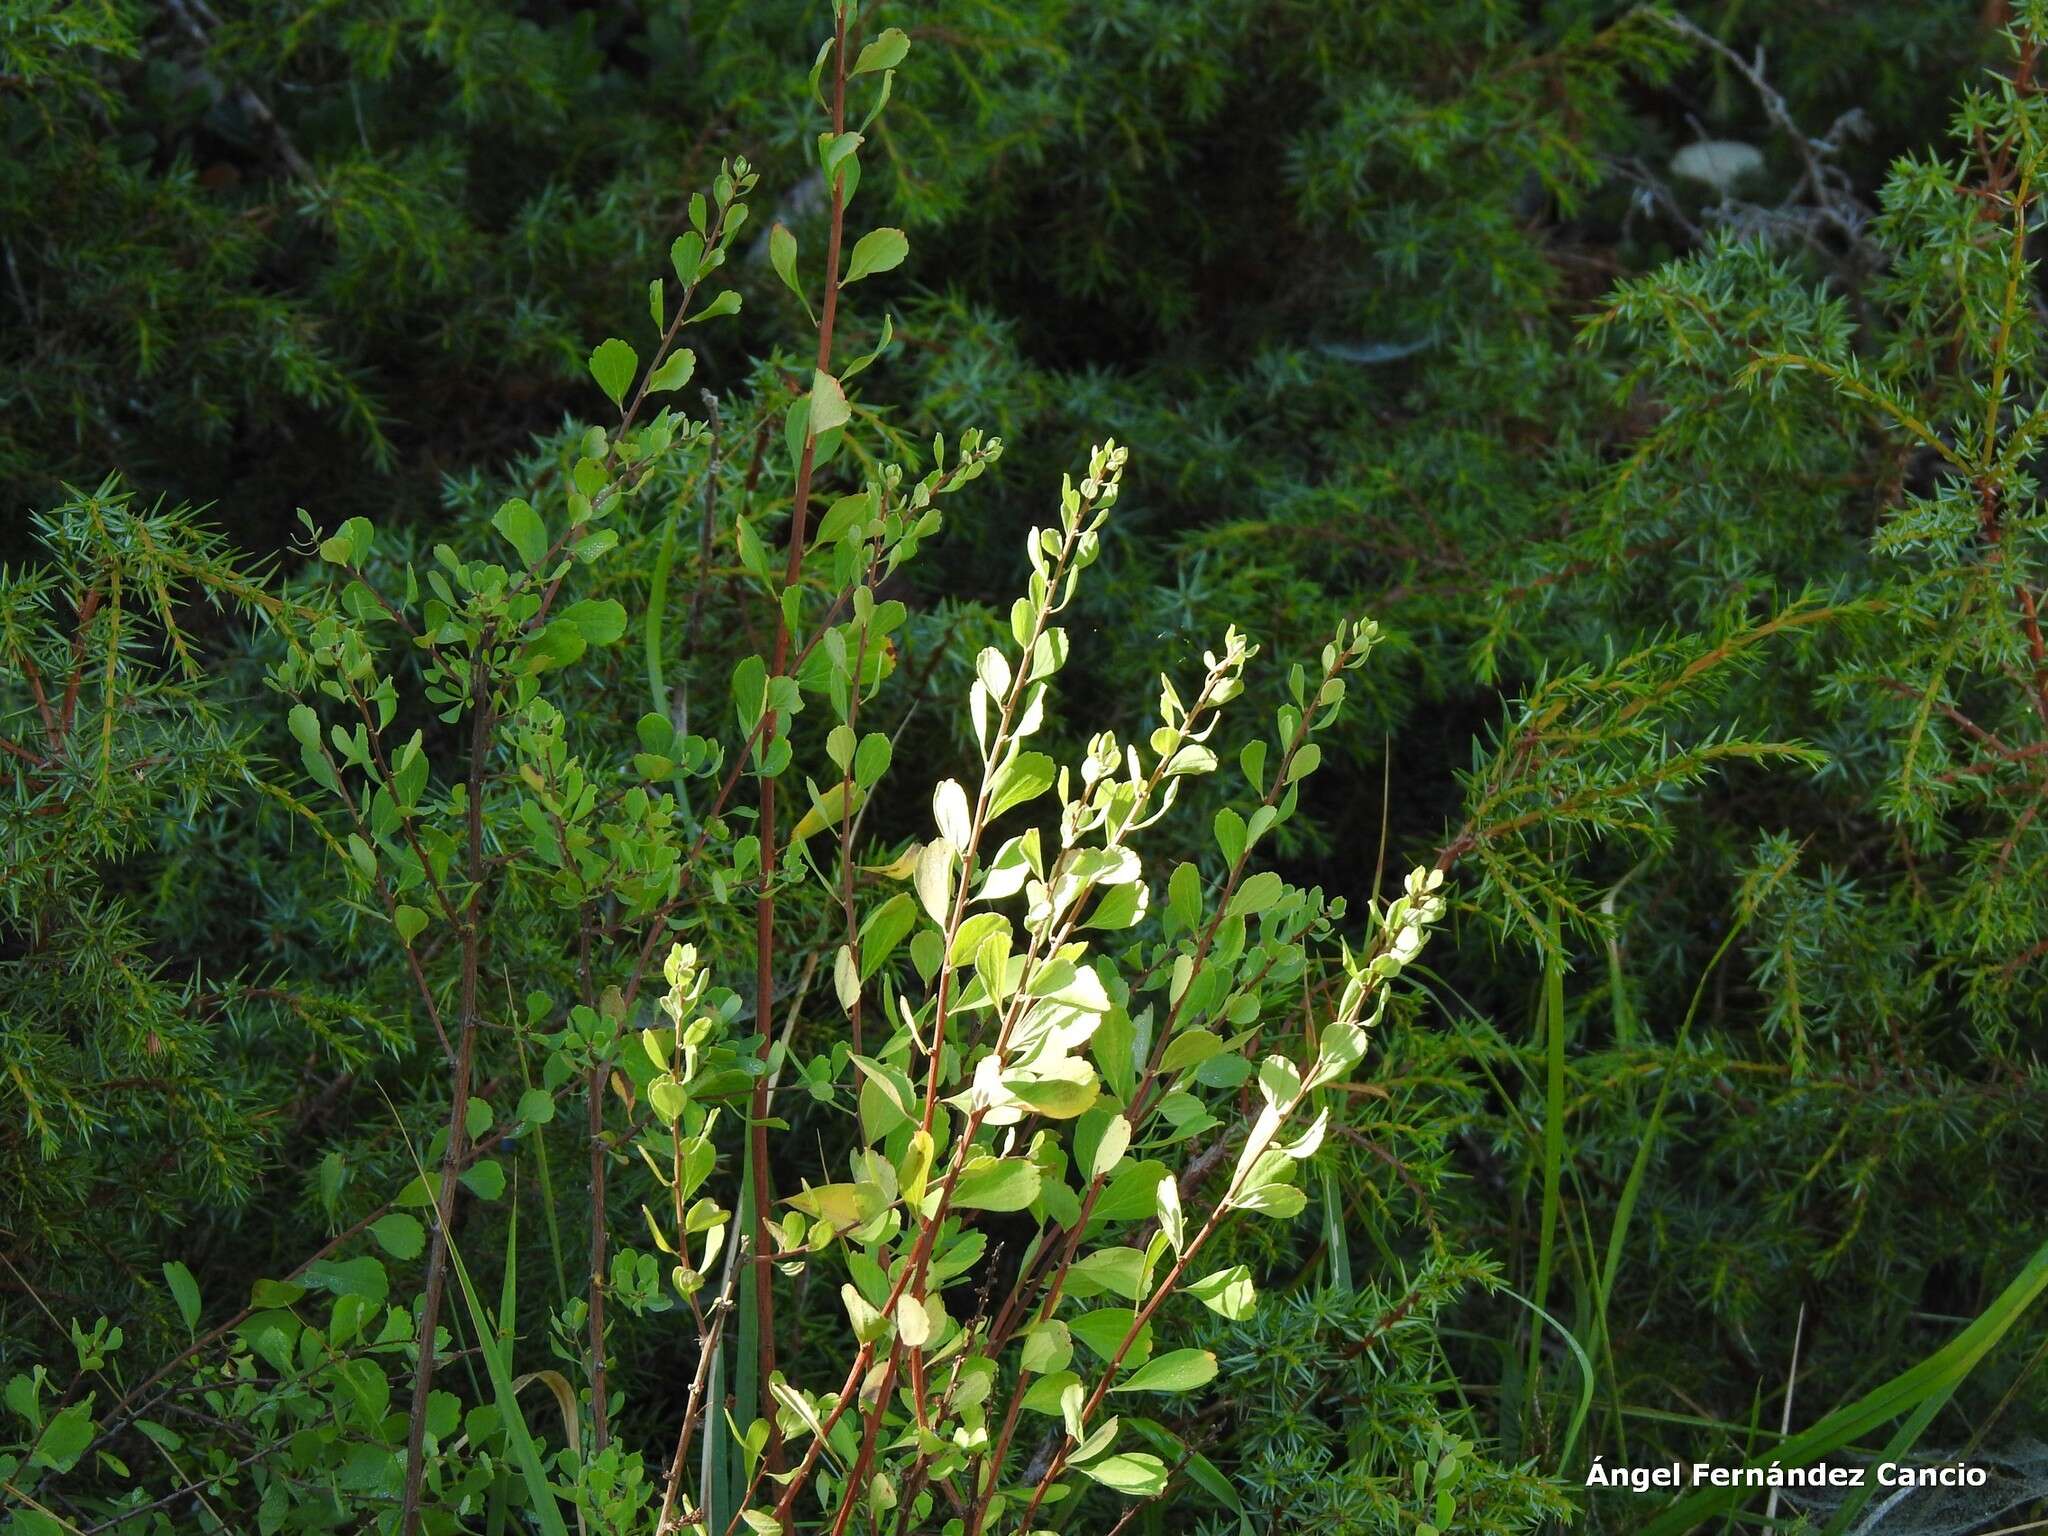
(1042,1139)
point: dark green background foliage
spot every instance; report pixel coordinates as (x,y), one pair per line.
(1702,525)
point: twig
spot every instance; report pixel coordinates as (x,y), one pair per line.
(1785,1418)
(764,906)
(458,1111)
(249,101)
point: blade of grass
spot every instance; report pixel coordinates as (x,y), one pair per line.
(1898,1448)
(491,1345)
(657,607)
(1756,1418)
(1601,1344)
(1911,1392)
(1627,1034)
(539,1136)
(716,1476)
(525,1454)
(494,1504)
(1336,1241)
(746,1372)
(1585,1404)
(1632,1188)
(1553,1151)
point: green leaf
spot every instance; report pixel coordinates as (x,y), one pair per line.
(975,932)
(879,250)
(410,920)
(444,1414)
(997,1184)
(613,365)
(871,759)
(1183,899)
(485,1180)
(727,303)
(828,404)
(1103,1331)
(275,1293)
(599,621)
(1060,1095)
(1024,777)
(674,372)
(1109,1151)
(833,151)
(1253,761)
(1122,907)
(1230,835)
(686,255)
(1190,1048)
(536,1106)
(523,530)
(749,690)
(1119,1270)
(364,1277)
(184,1291)
(1047,1348)
(1257,894)
(1178,1370)
(1228,1292)
(65,1438)
(1210,1479)
(1132,1192)
(1172,1219)
(841,1206)
(1137,1473)
(1043,1395)
(866,359)
(400,1235)
(1282,1202)
(667,1098)
(753,553)
(782,256)
(884,930)
(885,52)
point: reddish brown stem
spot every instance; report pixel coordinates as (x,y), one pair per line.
(764,906)
(86,610)
(458,1109)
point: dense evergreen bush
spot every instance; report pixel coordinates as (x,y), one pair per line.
(511,905)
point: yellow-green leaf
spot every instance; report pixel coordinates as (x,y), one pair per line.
(828,404)
(879,250)
(1178,1370)
(1134,1473)
(184,1291)
(997,1184)
(613,365)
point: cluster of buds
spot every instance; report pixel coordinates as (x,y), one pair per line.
(1404,928)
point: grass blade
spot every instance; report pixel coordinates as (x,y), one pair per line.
(1585,1405)
(525,1454)
(1918,1391)
(1553,1150)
